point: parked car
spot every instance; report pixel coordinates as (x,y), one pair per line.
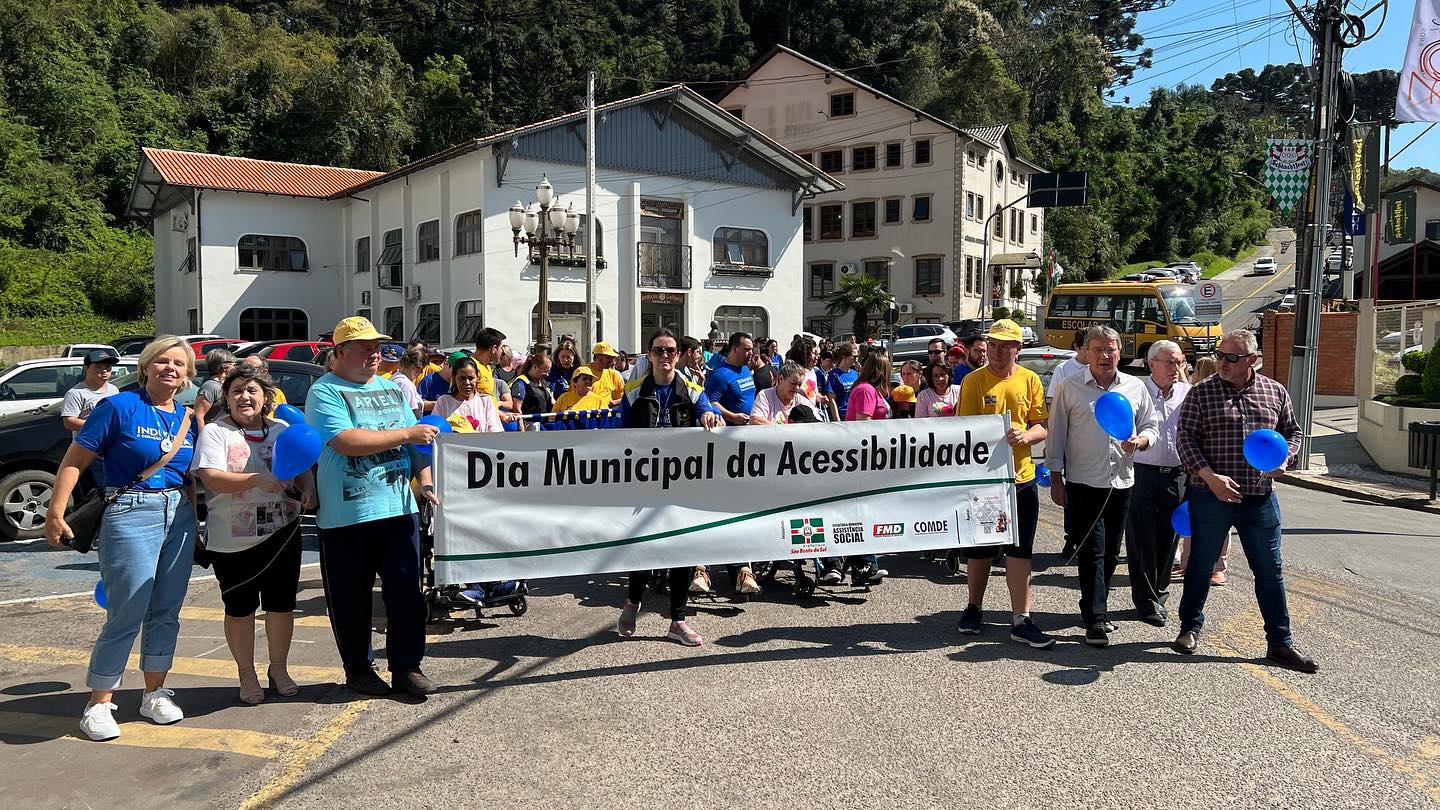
(1265,266)
(1043,360)
(912,340)
(1287,298)
(1029,338)
(32,444)
(30,384)
(81,349)
(131,345)
(301,351)
(204,347)
(970,326)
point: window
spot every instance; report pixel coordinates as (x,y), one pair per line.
(842,104)
(999,172)
(1014,231)
(469,320)
(427,241)
(820,326)
(822,279)
(394,321)
(969,274)
(302,353)
(832,161)
(862,158)
(364,313)
(980,159)
(362,254)
(970,156)
(390,262)
(927,276)
(969,205)
(832,222)
(922,209)
(188,266)
(979,207)
(193,317)
(999,224)
(742,319)
(272,253)
(566,318)
(892,155)
(1015,177)
(428,326)
(266,323)
(808,157)
(746,246)
(46,382)
(892,210)
(599,241)
(862,219)
(879,269)
(468,229)
(1034,223)
(922,152)
(807,223)
(738,112)
(1432,229)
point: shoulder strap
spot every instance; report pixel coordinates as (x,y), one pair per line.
(170,454)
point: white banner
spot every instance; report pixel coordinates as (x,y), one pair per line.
(561,503)
(1418,98)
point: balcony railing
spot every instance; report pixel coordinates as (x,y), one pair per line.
(662,265)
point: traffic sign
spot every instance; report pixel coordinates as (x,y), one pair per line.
(1209,302)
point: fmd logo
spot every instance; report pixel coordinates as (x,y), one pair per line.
(888,529)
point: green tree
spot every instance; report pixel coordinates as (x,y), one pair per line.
(858,296)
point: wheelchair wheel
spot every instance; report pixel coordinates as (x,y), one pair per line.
(804,587)
(434,614)
(519,606)
(952,563)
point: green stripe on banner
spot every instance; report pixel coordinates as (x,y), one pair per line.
(645,538)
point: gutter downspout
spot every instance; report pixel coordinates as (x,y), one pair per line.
(199,267)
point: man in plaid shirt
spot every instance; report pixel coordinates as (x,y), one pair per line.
(1225,491)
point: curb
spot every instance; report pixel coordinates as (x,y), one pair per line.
(1358,490)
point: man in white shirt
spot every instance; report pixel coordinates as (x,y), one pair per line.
(1159,488)
(1091,473)
(82,399)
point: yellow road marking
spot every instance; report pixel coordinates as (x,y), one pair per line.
(144,734)
(208,614)
(299,759)
(201,667)
(1279,274)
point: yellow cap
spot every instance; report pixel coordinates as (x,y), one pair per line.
(356,328)
(1005,330)
(604,348)
(902,393)
(585,370)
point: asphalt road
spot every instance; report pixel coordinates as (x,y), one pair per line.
(1244,292)
(854,699)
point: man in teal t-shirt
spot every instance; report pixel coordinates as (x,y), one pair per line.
(367,513)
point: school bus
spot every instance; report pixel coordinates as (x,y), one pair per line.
(1141,312)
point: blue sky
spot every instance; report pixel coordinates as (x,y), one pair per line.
(1240,36)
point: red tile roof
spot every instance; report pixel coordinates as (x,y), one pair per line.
(200,170)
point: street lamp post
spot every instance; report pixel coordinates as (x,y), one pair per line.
(551,229)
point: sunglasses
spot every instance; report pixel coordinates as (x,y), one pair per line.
(937,351)
(664,351)
(1233,358)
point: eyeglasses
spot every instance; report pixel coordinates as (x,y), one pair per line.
(1230,357)
(937,351)
(664,351)
(1103,352)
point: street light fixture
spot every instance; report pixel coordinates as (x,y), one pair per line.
(549,230)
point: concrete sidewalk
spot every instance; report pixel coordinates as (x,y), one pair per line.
(1340,465)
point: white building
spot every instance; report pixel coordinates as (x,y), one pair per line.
(699,220)
(918,191)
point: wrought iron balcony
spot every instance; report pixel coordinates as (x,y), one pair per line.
(661,265)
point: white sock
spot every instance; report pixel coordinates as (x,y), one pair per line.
(1018,618)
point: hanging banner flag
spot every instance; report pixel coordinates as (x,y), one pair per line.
(550,504)
(1400,218)
(1362,166)
(1418,98)
(1354,218)
(1287,169)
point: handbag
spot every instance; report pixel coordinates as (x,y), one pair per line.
(84,519)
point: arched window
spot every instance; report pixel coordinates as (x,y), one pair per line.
(744,246)
(273,323)
(999,171)
(260,252)
(753,320)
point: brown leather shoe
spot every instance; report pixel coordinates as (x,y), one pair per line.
(1291,658)
(1186,642)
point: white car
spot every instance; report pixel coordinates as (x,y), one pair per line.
(913,340)
(1265,266)
(1043,360)
(33,383)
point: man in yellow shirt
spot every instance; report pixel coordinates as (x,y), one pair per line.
(581,396)
(487,349)
(609,385)
(1004,387)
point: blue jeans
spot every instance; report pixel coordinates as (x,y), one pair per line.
(1257,520)
(146,547)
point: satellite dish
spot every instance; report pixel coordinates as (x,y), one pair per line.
(848,269)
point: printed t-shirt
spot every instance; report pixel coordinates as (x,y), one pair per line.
(481,409)
(731,387)
(1019,396)
(240,520)
(80,402)
(131,434)
(357,489)
(839,384)
(769,406)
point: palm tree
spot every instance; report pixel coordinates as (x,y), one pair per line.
(859,295)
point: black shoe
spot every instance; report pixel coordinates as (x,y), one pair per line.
(1186,642)
(1291,658)
(1097,636)
(1027,633)
(832,576)
(413,683)
(367,682)
(1155,619)
(972,620)
(1068,554)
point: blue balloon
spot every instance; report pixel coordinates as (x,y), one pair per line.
(290,414)
(440,424)
(100,598)
(1180,520)
(1115,415)
(1042,475)
(1266,450)
(297,448)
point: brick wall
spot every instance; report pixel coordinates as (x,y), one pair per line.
(1335,364)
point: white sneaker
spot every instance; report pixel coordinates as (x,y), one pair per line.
(98,722)
(159,707)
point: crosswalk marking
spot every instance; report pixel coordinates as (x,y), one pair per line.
(144,734)
(200,667)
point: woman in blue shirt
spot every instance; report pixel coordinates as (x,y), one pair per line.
(146,540)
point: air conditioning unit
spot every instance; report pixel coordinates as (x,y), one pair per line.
(907,309)
(364,298)
(180,223)
(412,292)
(849,269)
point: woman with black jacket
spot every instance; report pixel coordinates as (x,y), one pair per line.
(531,388)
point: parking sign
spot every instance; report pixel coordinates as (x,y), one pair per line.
(1209,302)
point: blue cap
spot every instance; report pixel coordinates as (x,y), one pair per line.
(390,352)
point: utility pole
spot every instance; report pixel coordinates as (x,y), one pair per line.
(1325,29)
(587,332)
